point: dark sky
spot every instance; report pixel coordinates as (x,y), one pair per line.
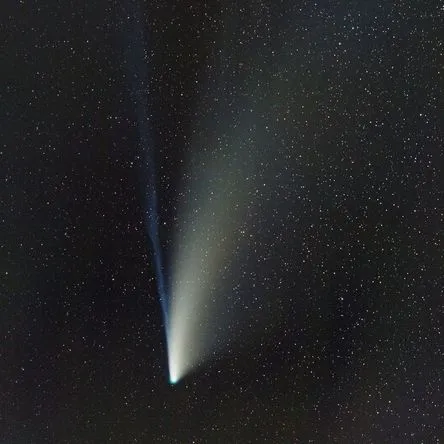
(340,337)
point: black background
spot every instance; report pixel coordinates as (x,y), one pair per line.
(352,347)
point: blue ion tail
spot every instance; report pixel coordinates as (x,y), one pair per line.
(160,280)
(153,232)
(135,61)
(149,183)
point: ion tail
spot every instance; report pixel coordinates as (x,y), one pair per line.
(137,71)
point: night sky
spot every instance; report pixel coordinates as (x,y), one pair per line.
(328,121)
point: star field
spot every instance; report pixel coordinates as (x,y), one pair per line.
(314,131)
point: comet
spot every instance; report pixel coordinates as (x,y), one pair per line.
(218,194)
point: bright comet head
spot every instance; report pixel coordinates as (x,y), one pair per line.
(173,380)
(174,367)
